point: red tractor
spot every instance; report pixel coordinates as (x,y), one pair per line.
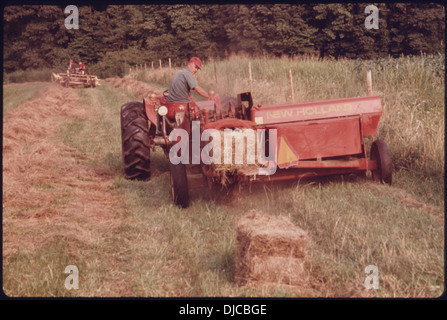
(302,139)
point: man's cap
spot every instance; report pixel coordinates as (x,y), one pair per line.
(197,62)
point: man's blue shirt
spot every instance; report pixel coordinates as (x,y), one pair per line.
(181,85)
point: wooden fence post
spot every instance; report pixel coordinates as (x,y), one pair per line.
(169,64)
(215,72)
(160,64)
(291,86)
(250,77)
(369,82)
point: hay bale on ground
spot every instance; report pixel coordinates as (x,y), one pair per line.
(269,250)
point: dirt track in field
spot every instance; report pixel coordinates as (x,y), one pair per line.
(48,190)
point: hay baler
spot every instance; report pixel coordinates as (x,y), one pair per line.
(311,139)
(326,137)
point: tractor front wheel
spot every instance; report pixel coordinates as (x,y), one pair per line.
(135,138)
(381,153)
(179,185)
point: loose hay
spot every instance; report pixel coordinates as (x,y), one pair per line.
(47,192)
(269,250)
(137,88)
(247,148)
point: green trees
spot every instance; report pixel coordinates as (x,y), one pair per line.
(416,27)
(268,29)
(31,38)
(111,37)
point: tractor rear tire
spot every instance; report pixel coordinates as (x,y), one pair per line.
(381,153)
(135,138)
(179,185)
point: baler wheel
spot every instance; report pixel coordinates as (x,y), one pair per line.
(135,141)
(381,153)
(179,185)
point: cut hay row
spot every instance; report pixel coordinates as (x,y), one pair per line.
(137,88)
(47,191)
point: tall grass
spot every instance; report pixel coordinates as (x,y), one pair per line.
(21,76)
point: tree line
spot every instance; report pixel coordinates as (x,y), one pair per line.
(112,37)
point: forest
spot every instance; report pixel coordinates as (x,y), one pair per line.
(110,38)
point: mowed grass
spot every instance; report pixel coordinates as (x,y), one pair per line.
(159,250)
(14,95)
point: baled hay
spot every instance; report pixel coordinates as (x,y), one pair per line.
(269,249)
(273,269)
(271,235)
(246,167)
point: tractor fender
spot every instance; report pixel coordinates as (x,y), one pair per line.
(150,111)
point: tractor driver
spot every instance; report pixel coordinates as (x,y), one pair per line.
(72,66)
(183,81)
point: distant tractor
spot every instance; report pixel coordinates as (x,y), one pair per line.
(317,138)
(75,79)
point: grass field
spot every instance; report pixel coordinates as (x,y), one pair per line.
(128,239)
(15,95)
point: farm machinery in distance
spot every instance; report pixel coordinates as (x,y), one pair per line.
(305,139)
(75,79)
